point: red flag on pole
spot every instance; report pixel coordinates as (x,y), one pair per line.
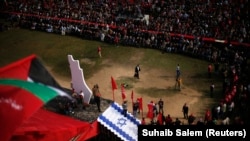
(114,86)
(123,92)
(113,83)
(140,105)
(132,96)
(150,113)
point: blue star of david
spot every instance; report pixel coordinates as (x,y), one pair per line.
(121,122)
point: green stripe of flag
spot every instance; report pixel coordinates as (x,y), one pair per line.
(41,91)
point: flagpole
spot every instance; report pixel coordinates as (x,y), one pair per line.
(113,96)
(142,112)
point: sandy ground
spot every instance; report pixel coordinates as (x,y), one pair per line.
(172,104)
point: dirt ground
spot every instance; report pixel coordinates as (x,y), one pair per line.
(172,104)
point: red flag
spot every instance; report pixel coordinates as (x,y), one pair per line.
(123,92)
(132,96)
(113,83)
(150,113)
(140,103)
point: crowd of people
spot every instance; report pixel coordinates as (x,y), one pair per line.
(162,25)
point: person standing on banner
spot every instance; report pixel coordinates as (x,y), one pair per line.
(97,96)
(125,108)
(137,70)
(81,99)
(135,108)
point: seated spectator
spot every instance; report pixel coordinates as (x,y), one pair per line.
(200,122)
(225,121)
(191,119)
(168,120)
(143,121)
(177,121)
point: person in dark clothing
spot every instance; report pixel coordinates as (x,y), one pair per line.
(160,104)
(97,96)
(185,111)
(191,119)
(137,70)
(177,121)
(135,108)
(200,122)
(125,108)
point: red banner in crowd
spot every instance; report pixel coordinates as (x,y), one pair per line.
(191,37)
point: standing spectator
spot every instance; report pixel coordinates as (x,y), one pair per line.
(178,71)
(178,83)
(125,108)
(135,108)
(99,50)
(185,111)
(155,111)
(208,116)
(216,67)
(81,99)
(116,41)
(137,70)
(209,70)
(160,104)
(212,90)
(97,96)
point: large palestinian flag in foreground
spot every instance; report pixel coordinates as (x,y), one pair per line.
(25,86)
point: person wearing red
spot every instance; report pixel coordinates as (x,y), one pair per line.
(160,119)
(99,50)
(209,69)
(168,120)
(116,41)
(208,116)
(143,121)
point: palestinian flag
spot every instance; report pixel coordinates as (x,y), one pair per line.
(25,86)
